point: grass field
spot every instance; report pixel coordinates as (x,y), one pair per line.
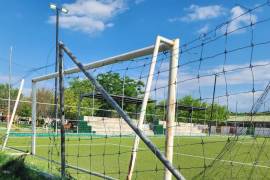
(213,157)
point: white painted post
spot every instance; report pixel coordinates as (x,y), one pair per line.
(171,106)
(34,117)
(9,84)
(143,108)
(13,115)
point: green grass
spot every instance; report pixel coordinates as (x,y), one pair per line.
(195,156)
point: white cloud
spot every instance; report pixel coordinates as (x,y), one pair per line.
(204,29)
(239,19)
(238,82)
(196,13)
(90,16)
(236,74)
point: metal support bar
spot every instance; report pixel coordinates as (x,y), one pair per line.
(212,105)
(124,115)
(62,114)
(171,106)
(34,117)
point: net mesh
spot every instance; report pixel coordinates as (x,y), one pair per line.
(222,110)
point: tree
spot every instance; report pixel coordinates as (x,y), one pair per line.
(219,112)
(4,88)
(112,82)
(45,99)
(197,115)
(72,94)
(24,108)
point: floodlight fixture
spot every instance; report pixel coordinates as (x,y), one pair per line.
(59,9)
(64,10)
(53,6)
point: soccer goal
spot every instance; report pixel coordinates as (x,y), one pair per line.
(195,111)
(107,104)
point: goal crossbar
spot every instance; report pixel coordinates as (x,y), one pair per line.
(107,61)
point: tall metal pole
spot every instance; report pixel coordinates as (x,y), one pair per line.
(212,106)
(56,69)
(62,113)
(9,85)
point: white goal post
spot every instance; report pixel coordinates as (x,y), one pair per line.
(174,46)
(10,122)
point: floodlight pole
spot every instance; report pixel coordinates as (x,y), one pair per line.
(58,11)
(56,69)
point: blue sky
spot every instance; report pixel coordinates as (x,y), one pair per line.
(98,29)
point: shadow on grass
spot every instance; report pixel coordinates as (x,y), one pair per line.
(13,167)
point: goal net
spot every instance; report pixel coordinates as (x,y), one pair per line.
(98,141)
(207,113)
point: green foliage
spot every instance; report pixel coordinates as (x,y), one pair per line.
(4,88)
(45,96)
(116,85)
(219,113)
(72,95)
(112,82)
(24,109)
(4,91)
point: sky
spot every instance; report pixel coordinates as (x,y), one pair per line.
(98,29)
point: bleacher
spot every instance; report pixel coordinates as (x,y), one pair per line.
(186,129)
(111,126)
(117,126)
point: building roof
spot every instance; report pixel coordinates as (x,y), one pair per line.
(247,118)
(185,108)
(118,98)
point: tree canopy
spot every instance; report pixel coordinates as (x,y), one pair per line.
(112,82)
(4,88)
(115,84)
